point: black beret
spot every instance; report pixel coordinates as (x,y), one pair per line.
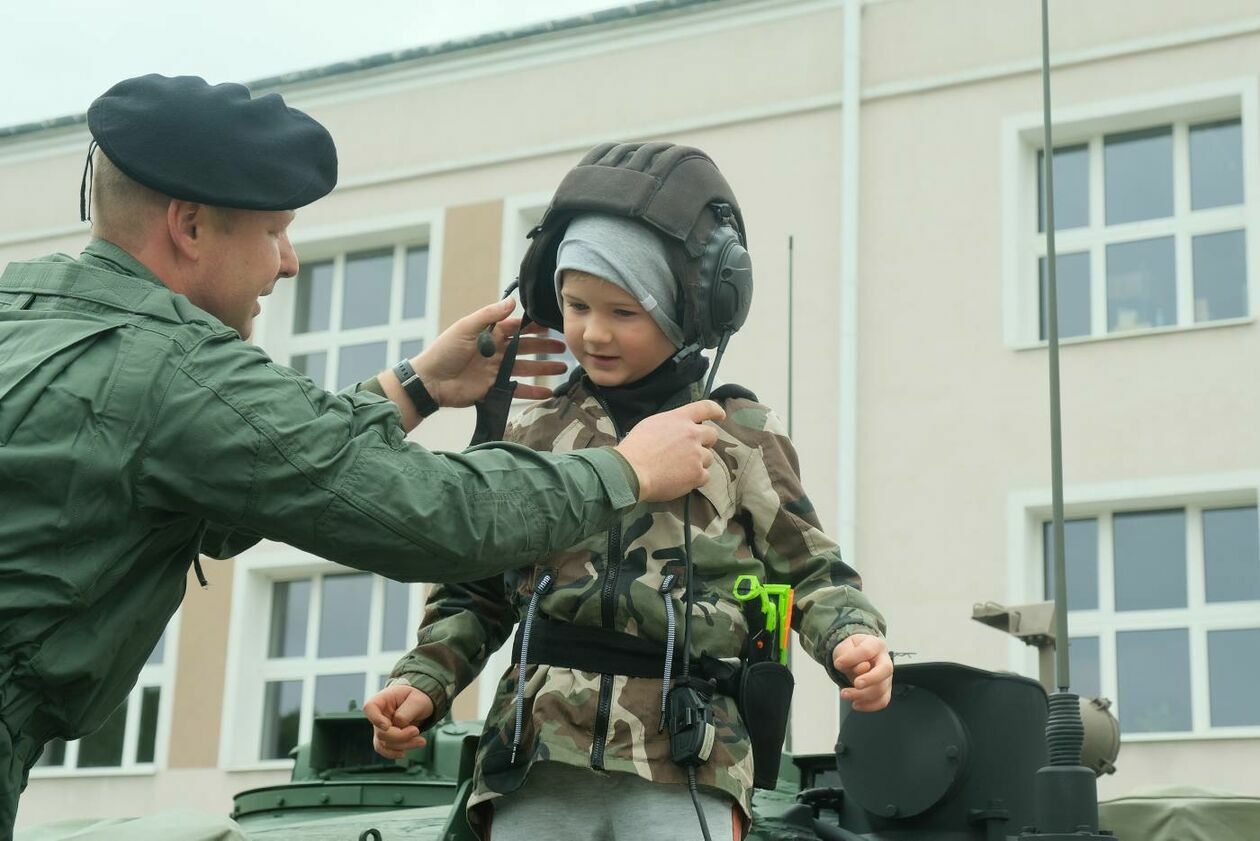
(214,144)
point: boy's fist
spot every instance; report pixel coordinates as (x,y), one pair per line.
(864,660)
(396,713)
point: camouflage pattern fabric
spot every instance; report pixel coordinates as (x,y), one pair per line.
(612,580)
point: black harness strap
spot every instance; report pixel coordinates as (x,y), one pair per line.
(603,651)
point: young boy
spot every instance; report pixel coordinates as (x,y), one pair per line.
(579,754)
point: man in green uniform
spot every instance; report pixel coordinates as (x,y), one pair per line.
(138,430)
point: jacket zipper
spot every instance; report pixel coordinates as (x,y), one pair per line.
(608,605)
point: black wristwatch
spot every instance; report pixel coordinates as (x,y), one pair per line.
(411,383)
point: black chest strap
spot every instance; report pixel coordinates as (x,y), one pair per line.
(603,651)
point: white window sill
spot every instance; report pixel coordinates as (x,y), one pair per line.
(1140,333)
(42,773)
(1217,734)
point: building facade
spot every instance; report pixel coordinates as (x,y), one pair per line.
(895,145)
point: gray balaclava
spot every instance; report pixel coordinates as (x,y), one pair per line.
(628,254)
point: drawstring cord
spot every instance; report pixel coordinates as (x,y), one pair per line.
(543,585)
(667,584)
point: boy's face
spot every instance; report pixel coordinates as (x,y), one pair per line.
(613,338)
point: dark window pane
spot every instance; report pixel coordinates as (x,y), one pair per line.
(104,748)
(1234,677)
(313,299)
(147,743)
(365,299)
(1071,188)
(158,652)
(1231,554)
(1150,559)
(343,621)
(54,755)
(313,365)
(1216,168)
(1220,276)
(1141,284)
(358,362)
(282,710)
(1080,554)
(394,631)
(1083,660)
(411,348)
(335,693)
(290,603)
(1073,281)
(1137,169)
(1154,680)
(416,282)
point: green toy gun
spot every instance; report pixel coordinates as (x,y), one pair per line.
(767,639)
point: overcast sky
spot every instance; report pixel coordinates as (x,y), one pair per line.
(58,55)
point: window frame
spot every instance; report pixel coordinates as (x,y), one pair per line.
(161,675)
(1022,244)
(1029,510)
(274,330)
(249,667)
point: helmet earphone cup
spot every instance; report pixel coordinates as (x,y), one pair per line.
(725,283)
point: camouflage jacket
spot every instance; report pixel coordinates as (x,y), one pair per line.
(614,580)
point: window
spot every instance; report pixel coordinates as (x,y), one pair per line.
(328,641)
(1164,608)
(1152,198)
(1157,239)
(352,314)
(129,739)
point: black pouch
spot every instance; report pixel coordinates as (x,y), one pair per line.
(765,699)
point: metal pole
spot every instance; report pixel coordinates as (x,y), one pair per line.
(1052,331)
(791,338)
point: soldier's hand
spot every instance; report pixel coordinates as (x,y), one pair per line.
(864,660)
(455,372)
(671,452)
(396,713)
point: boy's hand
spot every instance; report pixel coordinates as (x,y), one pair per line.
(396,713)
(864,660)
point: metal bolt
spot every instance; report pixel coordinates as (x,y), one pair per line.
(841,748)
(324,798)
(951,753)
(279,801)
(398,799)
(890,811)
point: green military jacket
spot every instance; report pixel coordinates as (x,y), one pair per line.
(614,580)
(137,430)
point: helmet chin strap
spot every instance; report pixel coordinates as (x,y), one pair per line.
(493,409)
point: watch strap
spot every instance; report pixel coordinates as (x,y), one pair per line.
(414,387)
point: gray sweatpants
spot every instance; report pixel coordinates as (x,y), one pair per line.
(562,803)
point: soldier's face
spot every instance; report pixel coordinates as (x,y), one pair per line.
(248,251)
(609,333)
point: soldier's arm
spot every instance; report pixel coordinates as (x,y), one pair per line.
(251,446)
(463,625)
(829,604)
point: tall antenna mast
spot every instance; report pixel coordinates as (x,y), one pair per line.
(791,336)
(1066,792)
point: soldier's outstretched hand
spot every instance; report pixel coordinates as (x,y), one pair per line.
(864,660)
(671,451)
(396,713)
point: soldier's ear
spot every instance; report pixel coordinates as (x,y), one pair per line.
(186,222)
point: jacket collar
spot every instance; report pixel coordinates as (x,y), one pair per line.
(107,275)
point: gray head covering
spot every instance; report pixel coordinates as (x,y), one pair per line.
(627,254)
